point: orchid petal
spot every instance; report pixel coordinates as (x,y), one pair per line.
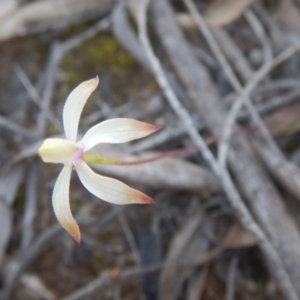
(74,105)
(61,203)
(108,189)
(116,131)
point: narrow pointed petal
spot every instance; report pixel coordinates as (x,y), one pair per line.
(108,189)
(74,105)
(117,131)
(61,203)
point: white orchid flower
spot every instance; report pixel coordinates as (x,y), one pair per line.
(72,154)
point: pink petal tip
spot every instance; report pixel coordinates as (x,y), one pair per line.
(97,80)
(75,233)
(156,128)
(147,200)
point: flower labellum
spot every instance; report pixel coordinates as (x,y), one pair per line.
(72,154)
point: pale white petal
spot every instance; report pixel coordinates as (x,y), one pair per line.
(74,105)
(108,189)
(61,203)
(115,131)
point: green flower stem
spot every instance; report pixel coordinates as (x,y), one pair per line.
(100,160)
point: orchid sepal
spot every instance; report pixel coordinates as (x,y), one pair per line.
(115,131)
(61,203)
(109,189)
(74,105)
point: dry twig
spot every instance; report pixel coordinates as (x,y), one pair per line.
(30,207)
(129,236)
(31,90)
(244,98)
(231,279)
(107,278)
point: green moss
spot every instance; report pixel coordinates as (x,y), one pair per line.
(19,200)
(97,263)
(105,235)
(101,54)
(52,130)
(292,126)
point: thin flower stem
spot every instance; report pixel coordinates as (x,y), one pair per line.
(100,160)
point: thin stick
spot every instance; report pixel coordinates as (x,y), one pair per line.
(36,98)
(246,92)
(229,188)
(30,208)
(129,237)
(230,282)
(54,59)
(244,98)
(10,125)
(249,88)
(107,278)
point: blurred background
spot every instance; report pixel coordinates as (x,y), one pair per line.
(232,65)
